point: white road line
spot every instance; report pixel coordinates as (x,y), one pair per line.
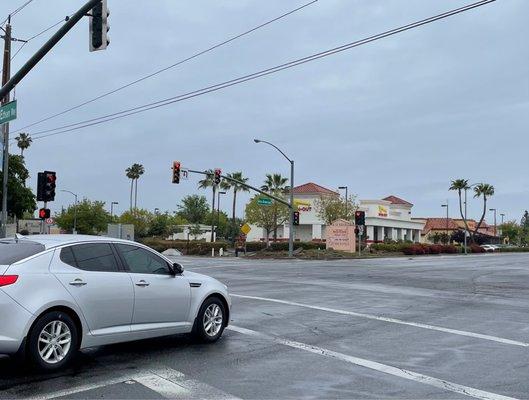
(165,381)
(376,366)
(392,320)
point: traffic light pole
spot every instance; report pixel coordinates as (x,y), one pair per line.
(5,99)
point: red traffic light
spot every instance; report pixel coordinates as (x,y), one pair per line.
(44,213)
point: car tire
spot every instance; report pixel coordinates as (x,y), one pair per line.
(53,341)
(210,321)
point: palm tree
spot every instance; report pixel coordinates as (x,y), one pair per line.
(275,184)
(237,187)
(483,190)
(23,142)
(140,169)
(460,185)
(209,181)
(133,173)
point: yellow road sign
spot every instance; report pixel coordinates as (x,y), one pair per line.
(246,229)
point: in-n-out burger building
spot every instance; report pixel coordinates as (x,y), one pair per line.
(389,218)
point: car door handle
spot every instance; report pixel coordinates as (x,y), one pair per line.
(78,282)
(142,283)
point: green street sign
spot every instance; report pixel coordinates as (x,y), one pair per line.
(264,201)
(8,112)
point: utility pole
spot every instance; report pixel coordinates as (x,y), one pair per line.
(6,75)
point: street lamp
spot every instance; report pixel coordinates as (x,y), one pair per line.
(112,208)
(291,230)
(495,226)
(218,212)
(75,211)
(502,215)
(346,196)
(446,205)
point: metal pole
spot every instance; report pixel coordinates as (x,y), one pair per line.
(291,230)
(447,237)
(39,55)
(75,217)
(5,99)
(466,231)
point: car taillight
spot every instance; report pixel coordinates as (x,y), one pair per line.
(8,279)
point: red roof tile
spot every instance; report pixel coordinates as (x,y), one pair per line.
(439,224)
(312,188)
(396,200)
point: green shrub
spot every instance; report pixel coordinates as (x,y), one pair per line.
(191,248)
(283,246)
(255,246)
(474,248)
(513,249)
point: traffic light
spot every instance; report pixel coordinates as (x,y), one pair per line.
(218,173)
(360,218)
(44,213)
(99,27)
(46,184)
(176,172)
(296,218)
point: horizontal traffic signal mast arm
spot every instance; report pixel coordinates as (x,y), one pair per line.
(39,55)
(286,203)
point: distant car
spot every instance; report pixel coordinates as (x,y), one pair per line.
(62,293)
(489,248)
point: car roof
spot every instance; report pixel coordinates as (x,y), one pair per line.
(51,241)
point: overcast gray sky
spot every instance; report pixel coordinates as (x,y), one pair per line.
(401,116)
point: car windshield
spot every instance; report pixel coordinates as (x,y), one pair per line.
(12,250)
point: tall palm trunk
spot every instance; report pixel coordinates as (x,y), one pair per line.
(131,189)
(213,214)
(233,224)
(482,215)
(463,217)
(136,195)
(21,152)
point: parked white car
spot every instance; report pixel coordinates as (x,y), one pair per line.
(489,248)
(62,293)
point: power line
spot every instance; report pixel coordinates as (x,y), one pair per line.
(16,11)
(259,74)
(216,46)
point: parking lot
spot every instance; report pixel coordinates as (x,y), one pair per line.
(422,328)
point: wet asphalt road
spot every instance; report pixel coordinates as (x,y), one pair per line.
(424,328)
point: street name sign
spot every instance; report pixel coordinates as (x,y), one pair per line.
(8,112)
(264,201)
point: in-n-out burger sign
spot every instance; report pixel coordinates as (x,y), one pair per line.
(303,206)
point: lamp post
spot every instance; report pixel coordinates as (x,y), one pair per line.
(502,215)
(112,208)
(495,226)
(75,211)
(446,205)
(291,230)
(218,212)
(346,196)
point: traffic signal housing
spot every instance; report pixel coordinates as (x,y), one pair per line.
(99,27)
(176,172)
(46,185)
(217,178)
(44,213)
(360,218)
(296,218)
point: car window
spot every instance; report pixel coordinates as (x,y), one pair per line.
(97,257)
(12,250)
(141,261)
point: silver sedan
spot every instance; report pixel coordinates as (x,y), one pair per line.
(62,293)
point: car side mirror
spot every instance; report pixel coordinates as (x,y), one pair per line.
(178,269)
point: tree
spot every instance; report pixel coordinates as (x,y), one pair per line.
(458,236)
(329,208)
(141,219)
(134,172)
(236,187)
(161,225)
(221,223)
(20,199)
(512,231)
(209,181)
(92,218)
(24,140)
(486,191)
(275,184)
(267,217)
(195,231)
(460,185)
(194,209)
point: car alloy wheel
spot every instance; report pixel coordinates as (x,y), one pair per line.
(55,342)
(213,320)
